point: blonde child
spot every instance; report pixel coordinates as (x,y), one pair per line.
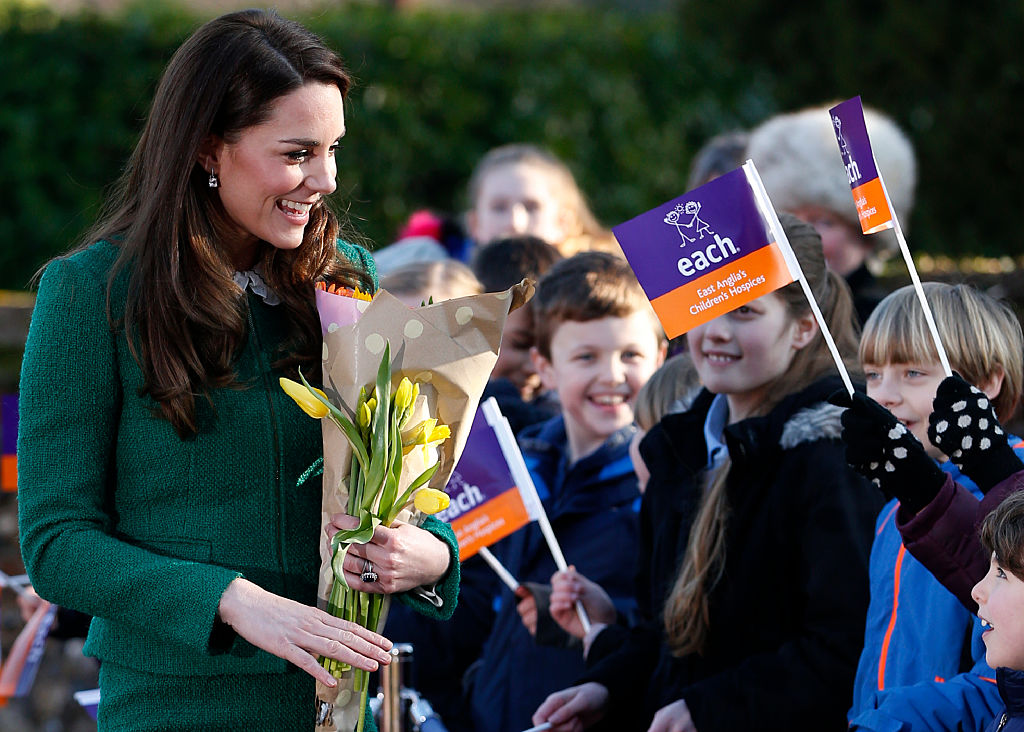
(917,635)
(523,189)
(754,536)
(419,282)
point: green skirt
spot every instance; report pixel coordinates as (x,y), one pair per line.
(136,701)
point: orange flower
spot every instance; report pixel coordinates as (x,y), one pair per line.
(344,291)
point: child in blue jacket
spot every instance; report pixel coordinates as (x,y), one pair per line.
(922,667)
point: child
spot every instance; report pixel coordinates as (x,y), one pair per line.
(420,282)
(1000,598)
(921,666)
(499,265)
(597,343)
(671,389)
(523,189)
(426,237)
(798,160)
(754,536)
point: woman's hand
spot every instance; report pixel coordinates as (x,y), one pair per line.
(403,557)
(299,634)
(567,588)
(573,709)
(673,718)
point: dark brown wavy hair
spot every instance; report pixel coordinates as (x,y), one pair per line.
(184,316)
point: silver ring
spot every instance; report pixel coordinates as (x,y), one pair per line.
(368,574)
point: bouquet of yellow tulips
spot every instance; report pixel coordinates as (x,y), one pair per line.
(380,438)
(401,386)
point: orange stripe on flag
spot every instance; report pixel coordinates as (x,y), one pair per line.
(872,209)
(490,522)
(9,473)
(705,298)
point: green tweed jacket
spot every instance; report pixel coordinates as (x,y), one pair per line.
(121,519)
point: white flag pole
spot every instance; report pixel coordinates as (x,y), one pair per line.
(905,250)
(499,568)
(7,580)
(768,211)
(521,475)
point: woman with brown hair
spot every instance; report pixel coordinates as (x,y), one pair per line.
(159,459)
(754,536)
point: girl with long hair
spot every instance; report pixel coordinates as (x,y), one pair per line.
(754,536)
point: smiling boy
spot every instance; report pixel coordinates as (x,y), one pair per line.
(1000,598)
(598,342)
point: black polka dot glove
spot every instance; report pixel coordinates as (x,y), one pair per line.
(881,449)
(964,426)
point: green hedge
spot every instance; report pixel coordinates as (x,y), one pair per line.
(626,99)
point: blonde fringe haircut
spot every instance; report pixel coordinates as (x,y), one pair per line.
(444,279)
(587,233)
(675,379)
(981,336)
(686,616)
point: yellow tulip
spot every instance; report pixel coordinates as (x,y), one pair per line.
(304,398)
(364,416)
(440,433)
(431,500)
(426,433)
(403,396)
(404,417)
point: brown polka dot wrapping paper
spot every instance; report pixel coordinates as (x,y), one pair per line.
(449,349)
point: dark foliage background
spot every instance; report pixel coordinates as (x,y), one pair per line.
(625,98)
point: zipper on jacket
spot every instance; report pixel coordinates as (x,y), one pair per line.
(1002,722)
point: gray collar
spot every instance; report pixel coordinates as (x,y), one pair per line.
(251,279)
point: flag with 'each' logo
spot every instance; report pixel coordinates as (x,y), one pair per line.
(873,209)
(487,502)
(704,253)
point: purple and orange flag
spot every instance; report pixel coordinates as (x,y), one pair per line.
(9,443)
(704,253)
(873,209)
(487,504)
